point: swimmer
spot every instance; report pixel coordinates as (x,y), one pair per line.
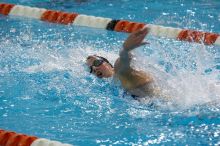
(138,83)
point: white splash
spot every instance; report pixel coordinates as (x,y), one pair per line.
(74,61)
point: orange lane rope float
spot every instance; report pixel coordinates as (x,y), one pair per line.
(52,16)
(58,17)
(5,8)
(195,36)
(126,26)
(9,138)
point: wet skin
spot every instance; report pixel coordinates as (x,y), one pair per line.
(134,81)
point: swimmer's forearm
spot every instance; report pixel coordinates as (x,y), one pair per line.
(125,56)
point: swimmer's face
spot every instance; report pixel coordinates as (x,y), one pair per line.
(99,66)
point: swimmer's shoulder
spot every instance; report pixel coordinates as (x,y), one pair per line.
(132,78)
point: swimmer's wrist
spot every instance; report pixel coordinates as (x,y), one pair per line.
(127,47)
(125,50)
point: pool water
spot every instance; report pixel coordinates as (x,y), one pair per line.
(46,90)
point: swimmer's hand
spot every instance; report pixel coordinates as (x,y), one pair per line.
(135,39)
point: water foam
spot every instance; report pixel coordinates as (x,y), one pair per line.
(180,70)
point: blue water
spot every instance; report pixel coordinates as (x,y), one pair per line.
(46,90)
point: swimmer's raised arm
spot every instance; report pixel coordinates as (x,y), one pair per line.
(133,41)
(137,82)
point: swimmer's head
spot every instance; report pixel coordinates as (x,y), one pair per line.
(100,66)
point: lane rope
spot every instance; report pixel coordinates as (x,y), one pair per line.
(59,17)
(9,138)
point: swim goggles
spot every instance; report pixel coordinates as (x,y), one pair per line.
(99,61)
(96,63)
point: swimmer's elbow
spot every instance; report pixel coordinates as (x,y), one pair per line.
(121,66)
